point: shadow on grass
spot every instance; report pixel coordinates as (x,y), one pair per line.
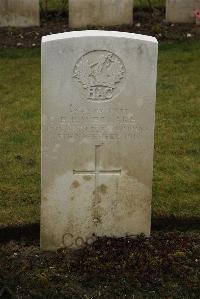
(31,232)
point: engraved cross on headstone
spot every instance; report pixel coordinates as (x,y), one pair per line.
(97,171)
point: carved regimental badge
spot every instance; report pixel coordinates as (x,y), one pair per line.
(101,74)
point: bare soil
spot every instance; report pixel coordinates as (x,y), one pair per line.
(167,265)
(145,22)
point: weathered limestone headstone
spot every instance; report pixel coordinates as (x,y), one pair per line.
(98,113)
(181,11)
(84,13)
(19,13)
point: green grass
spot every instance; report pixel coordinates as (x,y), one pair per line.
(176,174)
(20,135)
(177,154)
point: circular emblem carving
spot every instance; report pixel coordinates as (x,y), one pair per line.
(101,74)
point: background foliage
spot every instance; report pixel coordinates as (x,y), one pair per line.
(62,5)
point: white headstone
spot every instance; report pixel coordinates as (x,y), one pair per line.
(98,113)
(19,13)
(84,13)
(181,11)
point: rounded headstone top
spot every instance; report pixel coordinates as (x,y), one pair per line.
(98,33)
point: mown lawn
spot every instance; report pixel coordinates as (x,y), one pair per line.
(176,187)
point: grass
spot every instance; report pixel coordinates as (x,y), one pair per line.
(20,136)
(176,171)
(176,174)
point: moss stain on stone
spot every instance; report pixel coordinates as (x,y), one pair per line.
(102,189)
(87,177)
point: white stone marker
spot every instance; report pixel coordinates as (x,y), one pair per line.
(19,13)
(98,114)
(181,11)
(84,13)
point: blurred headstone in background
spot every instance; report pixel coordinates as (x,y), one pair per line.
(181,11)
(83,13)
(19,13)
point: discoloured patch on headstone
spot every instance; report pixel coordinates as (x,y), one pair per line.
(75,184)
